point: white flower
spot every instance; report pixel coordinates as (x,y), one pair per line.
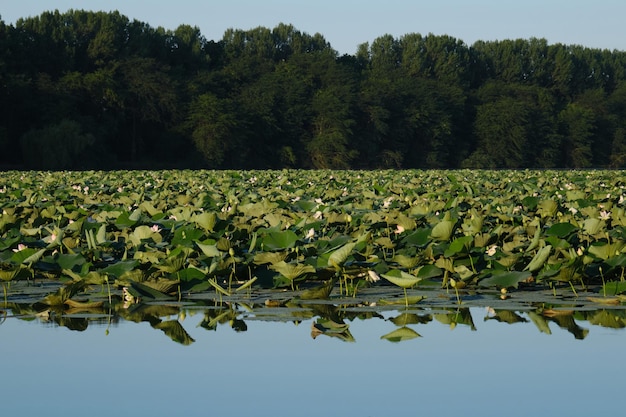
(155,228)
(372,276)
(605,215)
(573,210)
(20,247)
(579,252)
(399,229)
(317,215)
(492,250)
(621,199)
(310,234)
(319,201)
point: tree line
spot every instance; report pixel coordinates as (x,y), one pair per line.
(95,90)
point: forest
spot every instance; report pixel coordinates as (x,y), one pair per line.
(94,90)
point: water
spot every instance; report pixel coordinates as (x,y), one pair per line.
(277,368)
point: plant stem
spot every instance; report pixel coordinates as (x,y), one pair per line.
(603,283)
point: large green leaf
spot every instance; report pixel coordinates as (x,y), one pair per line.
(401,278)
(539,259)
(561,230)
(292,271)
(280,240)
(28,255)
(339,256)
(443,230)
(504,279)
(120,268)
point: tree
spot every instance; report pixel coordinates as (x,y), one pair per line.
(59,146)
(213,126)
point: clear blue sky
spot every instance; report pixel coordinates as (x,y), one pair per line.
(347,23)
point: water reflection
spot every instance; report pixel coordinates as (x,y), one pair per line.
(327,319)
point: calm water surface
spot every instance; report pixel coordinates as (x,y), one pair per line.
(277,368)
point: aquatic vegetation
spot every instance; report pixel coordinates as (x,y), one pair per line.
(172,234)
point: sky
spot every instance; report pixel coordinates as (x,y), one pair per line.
(348,23)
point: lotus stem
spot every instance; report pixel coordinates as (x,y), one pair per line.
(603,283)
(106,279)
(406,298)
(573,289)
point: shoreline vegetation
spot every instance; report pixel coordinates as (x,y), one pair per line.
(92,90)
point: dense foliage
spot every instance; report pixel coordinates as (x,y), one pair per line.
(193,230)
(97,90)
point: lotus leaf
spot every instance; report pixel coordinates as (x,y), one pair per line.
(280,240)
(292,271)
(539,259)
(339,256)
(401,278)
(504,279)
(443,230)
(561,230)
(606,251)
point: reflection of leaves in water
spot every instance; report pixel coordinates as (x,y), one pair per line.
(146,312)
(566,321)
(333,329)
(614,319)
(213,317)
(401,334)
(507,316)
(460,316)
(540,322)
(410,318)
(77,324)
(64,293)
(238,325)
(175,331)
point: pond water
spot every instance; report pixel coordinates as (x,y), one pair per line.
(234,362)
